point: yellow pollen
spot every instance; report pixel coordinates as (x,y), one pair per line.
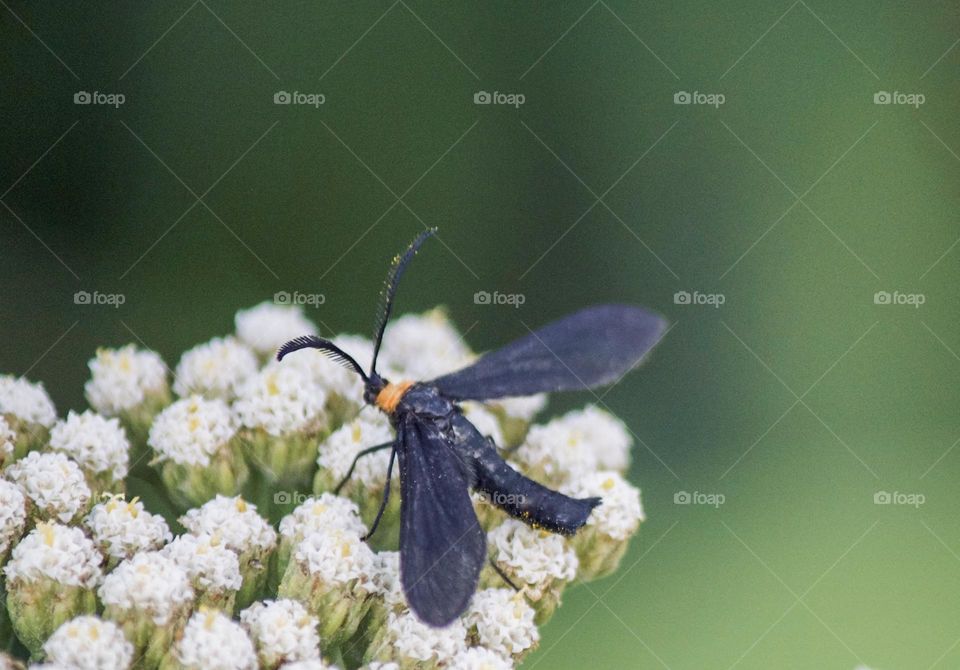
(345,550)
(272,387)
(211,617)
(357,433)
(388,398)
(609,484)
(73,632)
(241,505)
(193,424)
(319,508)
(94,633)
(48,535)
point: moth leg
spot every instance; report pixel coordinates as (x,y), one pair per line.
(503,575)
(386,497)
(365,452)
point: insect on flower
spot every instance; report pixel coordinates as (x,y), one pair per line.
(443,456)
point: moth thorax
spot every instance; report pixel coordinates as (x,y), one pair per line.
(389,397)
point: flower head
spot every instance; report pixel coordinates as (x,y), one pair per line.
(211,641)
(55,485)
(336,453)
(424,346)
(150,585)
(580,441)
(322,512)
(281,399)
(123,528)
(99,445)
(335,556)
(89,643)
(192,430)
(267,326)
(121,379)
(502,621)
(535,556)
(57,553)
(210,565)
(415,643)
(26,401)
(282,631)
(620,513)
(214,369)
(386,579)
(235,521)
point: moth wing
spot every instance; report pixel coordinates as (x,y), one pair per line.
(592,347)
(442,547)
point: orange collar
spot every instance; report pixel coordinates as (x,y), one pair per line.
(389,397)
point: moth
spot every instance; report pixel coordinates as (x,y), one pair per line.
(443,457)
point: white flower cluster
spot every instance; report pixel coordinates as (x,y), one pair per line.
(332,376)
(266,327)
(324,512)
(337,452)
(57,553)
(207,561)
(416,640)
(503,621)
(281,399)
(26,401)
(534,556)
(211,641)
(335,556)
(234,521)
(424,346)
(621,512)
(89,643)
(55,485)
(122,528)
(214,369)
(97,444)
(191,430)
(149,584)
(580,441)
(122,378)
(282,631)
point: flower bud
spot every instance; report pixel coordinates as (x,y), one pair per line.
(98,445)
(215,369)
(149,596)
(195,445)
(211,641)
(414,645)
(51,577)
(242,531)
(214,570)
(603,540)
(27,412)
(536,561)
(89,643)
(282,632)
(502,621)
(130,384)
(54,485)
(121,529)
(266,327)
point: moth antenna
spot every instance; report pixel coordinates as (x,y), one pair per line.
(400,262)
(328,348)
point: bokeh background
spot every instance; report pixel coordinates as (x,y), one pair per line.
(794,402)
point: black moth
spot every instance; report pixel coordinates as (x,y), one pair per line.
(443,456)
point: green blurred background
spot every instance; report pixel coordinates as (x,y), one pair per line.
(797,199)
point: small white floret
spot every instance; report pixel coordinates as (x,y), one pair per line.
(122,378)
